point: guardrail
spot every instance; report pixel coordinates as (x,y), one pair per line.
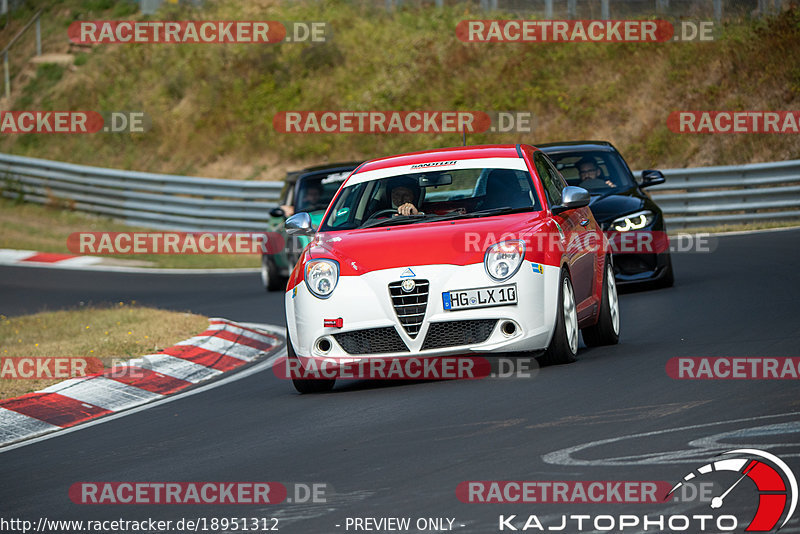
(150,200)
(732,194)
(703,196)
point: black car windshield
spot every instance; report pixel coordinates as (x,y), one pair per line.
(315,192)
(433,195)
(598,172)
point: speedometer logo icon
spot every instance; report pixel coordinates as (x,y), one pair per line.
(776,484)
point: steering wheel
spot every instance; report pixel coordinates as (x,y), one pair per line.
(377,214)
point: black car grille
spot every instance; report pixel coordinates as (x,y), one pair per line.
(410,306)
(456,333)
(371,341)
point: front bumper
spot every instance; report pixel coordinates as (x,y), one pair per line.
(371,328)
(630,269)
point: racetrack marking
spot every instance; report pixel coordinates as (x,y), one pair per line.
(256,368)
(564,456)
(636,413)
(103,392)
(223,346)
(178,368)
(14,426)
(139,381)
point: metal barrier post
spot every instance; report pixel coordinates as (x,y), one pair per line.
(572,9)
(604,10)
(38,35)
(7,77)
(548,9)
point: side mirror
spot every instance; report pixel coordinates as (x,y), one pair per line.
(571,197)
(277,212)
(652,177)
(299,224)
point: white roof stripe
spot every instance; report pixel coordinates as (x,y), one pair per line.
(474,163)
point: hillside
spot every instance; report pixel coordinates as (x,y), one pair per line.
(212,106)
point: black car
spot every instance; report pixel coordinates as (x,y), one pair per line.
(619,203)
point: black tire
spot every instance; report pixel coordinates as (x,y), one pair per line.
(560,351)
(320,385)
(606,330)
(668,280)
(270,276)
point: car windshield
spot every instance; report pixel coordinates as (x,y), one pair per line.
(434,195)
(315,192)
(598,172)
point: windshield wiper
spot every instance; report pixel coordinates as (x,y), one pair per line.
(399,219)
(483,213)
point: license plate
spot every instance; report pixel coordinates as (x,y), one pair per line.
(482,297)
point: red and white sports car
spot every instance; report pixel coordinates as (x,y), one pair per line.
(470,250)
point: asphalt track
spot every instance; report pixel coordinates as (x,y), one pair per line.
(400,450)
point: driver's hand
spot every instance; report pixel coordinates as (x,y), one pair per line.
(407,209)
(609,183)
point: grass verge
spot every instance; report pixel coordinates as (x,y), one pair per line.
(45,229)
(119,332)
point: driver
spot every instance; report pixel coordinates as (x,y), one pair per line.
(591,173)
(404,194)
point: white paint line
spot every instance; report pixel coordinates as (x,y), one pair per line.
(14,426)
(178,368)
(564,456)
(105,393)
(244,373)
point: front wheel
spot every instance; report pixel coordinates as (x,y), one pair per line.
(564,344)
(606,330)
(316,385)
(270,276)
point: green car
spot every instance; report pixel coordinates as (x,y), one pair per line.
(309,190)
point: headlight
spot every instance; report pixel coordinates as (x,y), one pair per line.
(634,221)
(322,277)
(503,260)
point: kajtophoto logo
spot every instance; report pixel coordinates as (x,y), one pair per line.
(775,499)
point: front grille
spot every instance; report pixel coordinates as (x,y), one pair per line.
(410,306)
(371,341)
(456,333)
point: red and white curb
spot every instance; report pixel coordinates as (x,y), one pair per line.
(53,260)
(31,257)
(224,346)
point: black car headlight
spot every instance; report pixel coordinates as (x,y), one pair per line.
(633,221)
